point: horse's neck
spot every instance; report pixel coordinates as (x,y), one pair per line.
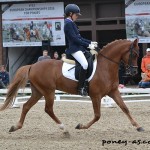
(111,57)
(112,54)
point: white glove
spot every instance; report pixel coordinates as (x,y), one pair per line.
(95,43)
(91,46)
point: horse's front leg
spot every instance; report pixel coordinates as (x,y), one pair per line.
(96,106)
(118,99)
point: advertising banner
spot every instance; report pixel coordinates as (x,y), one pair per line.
(30,23)
(137,13)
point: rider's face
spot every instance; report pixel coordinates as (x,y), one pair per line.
(75,17)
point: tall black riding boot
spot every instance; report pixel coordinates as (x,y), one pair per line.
(81,84)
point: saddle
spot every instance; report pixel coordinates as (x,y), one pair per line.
(89,55)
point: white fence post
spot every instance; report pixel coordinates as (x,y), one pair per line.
(107,101)
(16,103)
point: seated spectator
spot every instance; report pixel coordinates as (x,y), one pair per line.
(145,61)
(145,82)
(145,66)
(56,56)
(4,77)
(45,56)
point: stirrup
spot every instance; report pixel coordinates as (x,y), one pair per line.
(83,92)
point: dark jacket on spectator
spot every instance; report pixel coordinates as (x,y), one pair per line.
(4,76)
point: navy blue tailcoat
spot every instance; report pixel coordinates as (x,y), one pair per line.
(74,41)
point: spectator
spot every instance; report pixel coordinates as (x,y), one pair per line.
(56,56)
(145,82)
(145,61)
(145,66)
(45,56)
(4,77)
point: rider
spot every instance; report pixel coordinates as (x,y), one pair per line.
(76,45)
(31,27)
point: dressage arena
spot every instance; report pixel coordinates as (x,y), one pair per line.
(112,132)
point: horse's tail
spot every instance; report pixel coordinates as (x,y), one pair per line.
(19,81)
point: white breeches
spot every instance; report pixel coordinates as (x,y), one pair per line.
(79,56)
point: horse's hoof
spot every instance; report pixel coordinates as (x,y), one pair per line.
(78,126)
(12,129)
(140,129)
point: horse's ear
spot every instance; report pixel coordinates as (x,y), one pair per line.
(136,41)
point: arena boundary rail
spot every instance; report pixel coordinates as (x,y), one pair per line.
(24,94)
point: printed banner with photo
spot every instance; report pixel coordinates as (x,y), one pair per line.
(30,23)
(137,14)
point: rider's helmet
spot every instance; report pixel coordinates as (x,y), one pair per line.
(72,8)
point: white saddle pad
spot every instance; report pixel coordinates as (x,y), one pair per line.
(70,73)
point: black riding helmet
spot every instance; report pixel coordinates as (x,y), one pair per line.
(72,8)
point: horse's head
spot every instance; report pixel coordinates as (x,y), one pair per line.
(25,29)
(130,58)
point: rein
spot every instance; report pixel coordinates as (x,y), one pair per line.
(109,59)
(131,49)
(130,68)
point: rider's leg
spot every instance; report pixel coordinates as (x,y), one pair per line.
(79,56)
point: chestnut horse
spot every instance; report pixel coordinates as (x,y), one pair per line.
(46,76)
(29,35)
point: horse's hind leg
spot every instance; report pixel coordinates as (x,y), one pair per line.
(49,110)
(118,99)
(26,107)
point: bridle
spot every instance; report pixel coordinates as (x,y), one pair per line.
(109,59)
(129,67)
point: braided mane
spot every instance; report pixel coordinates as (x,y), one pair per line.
(113,43)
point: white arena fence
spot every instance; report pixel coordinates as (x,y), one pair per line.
(126,93)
